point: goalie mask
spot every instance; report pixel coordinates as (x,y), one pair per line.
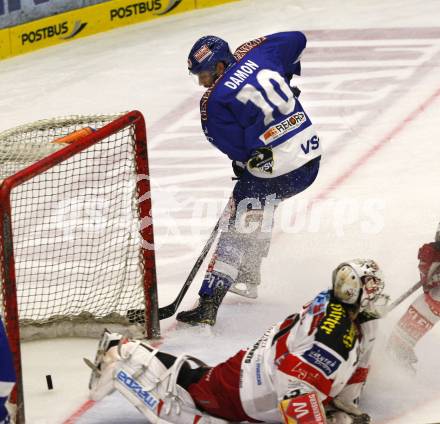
(360,282)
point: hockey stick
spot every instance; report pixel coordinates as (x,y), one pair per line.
(404,296)
(138,315)
(170,310)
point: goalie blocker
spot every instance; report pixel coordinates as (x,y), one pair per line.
(274,380)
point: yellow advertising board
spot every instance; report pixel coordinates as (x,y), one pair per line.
(5,46)
(210,3)
(90,20)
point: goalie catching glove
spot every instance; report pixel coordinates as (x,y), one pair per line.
(339,412)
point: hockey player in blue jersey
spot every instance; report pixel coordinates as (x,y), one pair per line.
(7,374)
(252,114)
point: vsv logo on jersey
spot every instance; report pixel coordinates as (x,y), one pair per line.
(322,359)
(311,144)
(284,127)
(262,160)
(136,388)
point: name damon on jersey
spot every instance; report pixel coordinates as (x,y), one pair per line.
(241,74)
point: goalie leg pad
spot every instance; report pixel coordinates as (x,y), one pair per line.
(152,388)
(432,299)
(417,320)
(414,324)
(101,379)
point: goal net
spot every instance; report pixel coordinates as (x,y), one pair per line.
(76,235)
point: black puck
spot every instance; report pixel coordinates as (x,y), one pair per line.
(49,382)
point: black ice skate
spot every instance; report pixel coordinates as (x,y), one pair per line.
(206,311)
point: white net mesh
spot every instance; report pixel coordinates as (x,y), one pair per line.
(75,226)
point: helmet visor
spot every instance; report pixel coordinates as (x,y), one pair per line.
(204,78)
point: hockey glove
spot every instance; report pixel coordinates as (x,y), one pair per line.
(339,412)
(340,417)
(238,168)
(262,160)
(296,91)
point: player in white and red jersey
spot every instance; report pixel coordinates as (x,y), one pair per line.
(424,312)
(310,368)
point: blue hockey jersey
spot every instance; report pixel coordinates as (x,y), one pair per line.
(7,374)
(251,106)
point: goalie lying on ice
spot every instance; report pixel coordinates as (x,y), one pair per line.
(310,368)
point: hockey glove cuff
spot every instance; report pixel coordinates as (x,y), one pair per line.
(238,168)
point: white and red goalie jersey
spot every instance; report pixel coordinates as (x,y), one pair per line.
(321,349)
(313,359)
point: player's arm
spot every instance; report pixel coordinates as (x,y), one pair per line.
(302,405)
(347,400)
(224,132)
(300,386)
(290,46)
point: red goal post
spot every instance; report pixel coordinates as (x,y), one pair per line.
(76,233)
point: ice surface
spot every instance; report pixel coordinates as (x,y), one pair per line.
(369,68)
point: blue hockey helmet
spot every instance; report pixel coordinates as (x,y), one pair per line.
(207,52)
